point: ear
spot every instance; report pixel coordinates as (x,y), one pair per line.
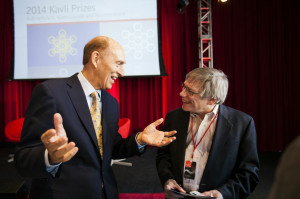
(212,101)
(95,57)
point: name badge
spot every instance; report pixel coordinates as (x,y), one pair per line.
(190,169)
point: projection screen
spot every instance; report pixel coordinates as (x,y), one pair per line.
(49,35)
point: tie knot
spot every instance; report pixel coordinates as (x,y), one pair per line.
(94,95)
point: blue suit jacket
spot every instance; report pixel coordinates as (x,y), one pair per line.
(84,175)
(232,166)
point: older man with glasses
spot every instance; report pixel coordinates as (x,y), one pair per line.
(215,153)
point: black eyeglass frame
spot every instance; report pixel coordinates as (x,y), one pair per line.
(189,91)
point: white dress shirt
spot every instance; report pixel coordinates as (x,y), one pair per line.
(202,151)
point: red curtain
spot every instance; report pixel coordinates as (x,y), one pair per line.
(255,44)
(14,95)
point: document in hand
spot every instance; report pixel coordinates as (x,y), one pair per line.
(191,195)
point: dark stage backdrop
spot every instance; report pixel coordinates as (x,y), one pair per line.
(255,44)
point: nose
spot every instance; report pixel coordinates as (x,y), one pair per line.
(121,71)
(183,93)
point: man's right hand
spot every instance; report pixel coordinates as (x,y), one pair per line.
(56,142)
(172,184)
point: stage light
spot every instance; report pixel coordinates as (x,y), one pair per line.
(181,6)
(223,1)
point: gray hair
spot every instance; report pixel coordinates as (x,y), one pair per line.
(213,83)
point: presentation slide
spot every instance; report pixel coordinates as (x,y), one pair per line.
(49,36)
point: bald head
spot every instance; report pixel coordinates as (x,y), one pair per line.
(100,44)
(103,60)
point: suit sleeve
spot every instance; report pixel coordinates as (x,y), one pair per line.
(245,178)
(122,148)
(29,155)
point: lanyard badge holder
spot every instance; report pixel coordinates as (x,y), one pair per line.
(190,165)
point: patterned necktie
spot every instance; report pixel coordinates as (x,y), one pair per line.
(96,117)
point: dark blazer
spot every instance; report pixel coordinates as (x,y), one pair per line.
(232,166)
(84,175)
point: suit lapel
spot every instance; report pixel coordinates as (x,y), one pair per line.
(78,99)
(105,115)
(109,121)
(222,133)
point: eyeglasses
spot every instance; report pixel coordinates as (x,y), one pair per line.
(189,91)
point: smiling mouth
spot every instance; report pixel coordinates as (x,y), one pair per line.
(114,78)
(186,102)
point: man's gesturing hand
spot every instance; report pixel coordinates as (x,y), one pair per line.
(56,142)
(152,136)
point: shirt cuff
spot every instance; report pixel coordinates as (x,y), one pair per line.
(140,146)
(52,169)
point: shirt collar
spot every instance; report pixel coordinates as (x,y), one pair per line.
(87,87)
(215,110)
(210,114)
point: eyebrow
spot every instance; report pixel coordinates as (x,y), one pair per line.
(194,92)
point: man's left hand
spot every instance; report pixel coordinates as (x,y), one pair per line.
(152,136)
(214,193)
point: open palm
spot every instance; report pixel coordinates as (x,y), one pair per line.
(152,136)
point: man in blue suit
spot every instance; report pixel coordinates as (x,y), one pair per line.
(215,151)
(59,148)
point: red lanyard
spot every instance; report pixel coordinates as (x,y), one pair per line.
(195,146)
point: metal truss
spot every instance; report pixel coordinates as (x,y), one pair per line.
(205,34)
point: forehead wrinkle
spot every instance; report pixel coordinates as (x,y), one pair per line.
(194,83)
